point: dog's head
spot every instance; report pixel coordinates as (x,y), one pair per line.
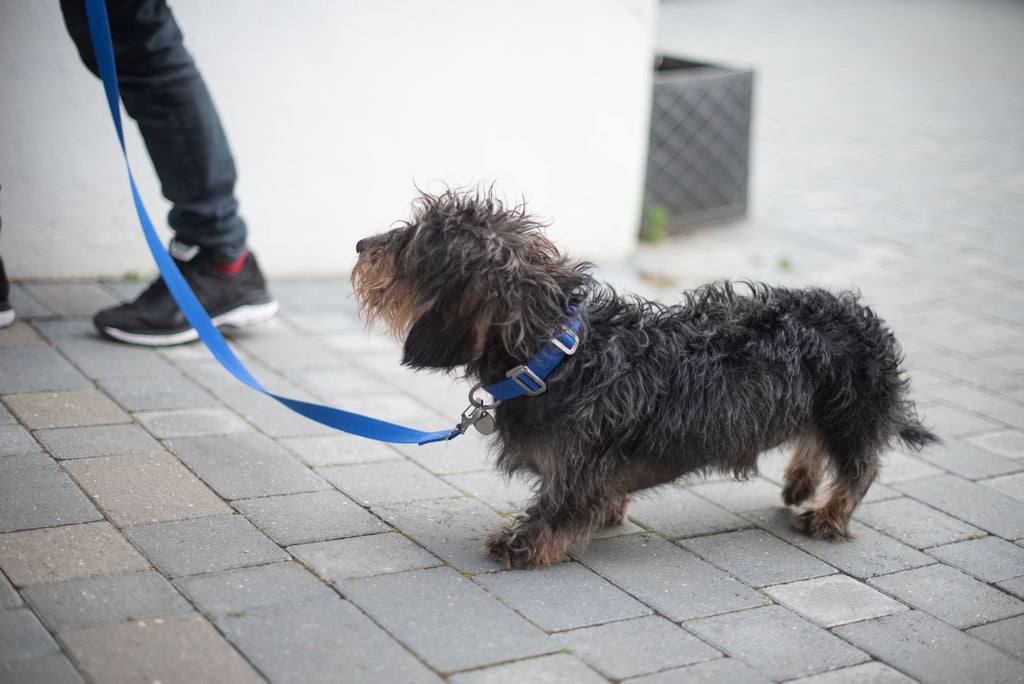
(463,273)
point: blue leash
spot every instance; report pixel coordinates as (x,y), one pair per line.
(352,423)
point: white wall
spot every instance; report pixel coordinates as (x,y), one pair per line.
(336,109)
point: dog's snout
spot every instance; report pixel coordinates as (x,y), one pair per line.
(362,244)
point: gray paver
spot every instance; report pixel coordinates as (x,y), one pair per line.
(971,502)
(149,393)
(914,523)
(38,369)
(807,649)
(106,600)
(1010,485)
(834,600)
(636,647)
(59,554)
(868,553)
(930,650)
(990,559)
(552,669)
(96,440)
(1009,443)
(325,640)
(171,649)
(172,423)
(673,581)
(16,440)
(757,558)
(21,636)
(191,547)
(246,590)
(708,672)
(9,597)
(314,516)
(99,358)
(373,554)
(739,496)
(501,493)
(34,492)
(967,460)
(388,482)
(675,512)
(452,529)
(269,415)
(244,466)
(47,669)
(338,449)
(562,597)
(1007,635)
(873,672)
(446,619)
(144,488)
(950,595)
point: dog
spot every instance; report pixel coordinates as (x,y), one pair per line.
(651,392)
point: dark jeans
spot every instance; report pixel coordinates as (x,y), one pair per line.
(161,89)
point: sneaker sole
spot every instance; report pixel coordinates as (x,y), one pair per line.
(6,318)
(242,317)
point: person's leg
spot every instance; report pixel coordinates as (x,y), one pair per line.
(162,89)
(6,311)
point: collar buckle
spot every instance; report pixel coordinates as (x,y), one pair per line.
(532,385)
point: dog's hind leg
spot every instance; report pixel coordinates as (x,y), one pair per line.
(853,473)
(805,470)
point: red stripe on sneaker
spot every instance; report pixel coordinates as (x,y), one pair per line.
(233,267)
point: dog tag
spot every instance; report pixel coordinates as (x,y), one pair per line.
(485,423)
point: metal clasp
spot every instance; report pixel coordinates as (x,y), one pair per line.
(571,349)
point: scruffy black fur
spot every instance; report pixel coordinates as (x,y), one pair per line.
(654,392)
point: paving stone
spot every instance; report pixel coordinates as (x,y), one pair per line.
(950,595)
(806,649)
(757,558)
(314,516)
(465,454)
(34,492)
(46,669)
(707,672)
(635,647)
(270,416)
(144,488)
(897,467)
(97,440)
(740,496)
(108,600)
(60,554)
(874,672)
(914,523)
(1006,634)
(191,547)
(100,358)
(929,650)
(323,640)
(388,482)
(65,409)
(20,334)
(673,581)
(9,597)
(967,460)
(21,636)
(37,369)
(561,597)
(834,600)
(990,559)
(452,529)
(501,493)
(149,393)
(986,403)
(675,513)
(953,422)
(16,440)
(72,299)
(182,423)
(869,553)
(1015,586)
(373,554)
(444,618)
(1008,443)
(238,592)
(338,449)
(971,502)
(1010,485)
(244,466)
(175,648)
(552,669)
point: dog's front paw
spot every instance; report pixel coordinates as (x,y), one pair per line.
(522,544)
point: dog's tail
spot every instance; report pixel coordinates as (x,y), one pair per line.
(915,435)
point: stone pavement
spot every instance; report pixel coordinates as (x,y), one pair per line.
(159,521)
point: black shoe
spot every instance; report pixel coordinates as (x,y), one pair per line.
(154,319)
(6,311)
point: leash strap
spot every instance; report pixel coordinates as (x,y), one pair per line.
(352,423)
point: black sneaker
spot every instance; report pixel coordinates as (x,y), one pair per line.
(6,310)
(154,319)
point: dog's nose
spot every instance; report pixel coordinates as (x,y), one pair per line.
(362,244)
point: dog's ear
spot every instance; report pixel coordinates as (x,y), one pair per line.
(451,333)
